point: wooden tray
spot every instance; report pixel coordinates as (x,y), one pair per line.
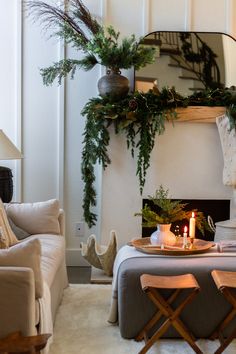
(199,246)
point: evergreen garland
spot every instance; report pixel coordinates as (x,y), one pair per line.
(96,140)
(140,116)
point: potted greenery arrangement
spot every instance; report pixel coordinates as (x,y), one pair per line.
(169,212)
(98,44)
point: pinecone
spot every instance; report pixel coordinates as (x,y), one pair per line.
(133,104)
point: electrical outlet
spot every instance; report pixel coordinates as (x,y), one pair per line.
(79,229)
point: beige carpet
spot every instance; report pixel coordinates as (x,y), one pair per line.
(81,328)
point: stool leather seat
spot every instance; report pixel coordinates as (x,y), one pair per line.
(224,279)
(184,281)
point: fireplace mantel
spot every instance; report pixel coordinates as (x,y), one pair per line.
(199,114)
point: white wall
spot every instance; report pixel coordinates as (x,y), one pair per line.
(10,115)
(41,115)
(8,73)
(187,159)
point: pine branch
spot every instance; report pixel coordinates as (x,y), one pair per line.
(113,54)
(88,62)
(59,70)
(170,210)
(69,36)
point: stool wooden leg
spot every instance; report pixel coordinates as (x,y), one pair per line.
(177,322)
(223,324)
(156,336)
(156,317)
(226,342)
(172,319)
(225,282)
(186,335)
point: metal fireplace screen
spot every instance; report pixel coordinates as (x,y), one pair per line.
(218,210)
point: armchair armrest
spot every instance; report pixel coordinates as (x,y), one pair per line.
(17,305)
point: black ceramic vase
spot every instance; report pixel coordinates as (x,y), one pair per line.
(6,184)
(113,84)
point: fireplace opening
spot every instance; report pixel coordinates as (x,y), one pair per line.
(216,209)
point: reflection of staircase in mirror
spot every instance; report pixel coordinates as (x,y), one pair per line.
(165,75)
(191,54)
(186,74)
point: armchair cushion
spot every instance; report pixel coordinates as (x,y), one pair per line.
(25,254)
(36,218)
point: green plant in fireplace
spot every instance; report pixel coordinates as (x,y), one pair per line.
(169,211)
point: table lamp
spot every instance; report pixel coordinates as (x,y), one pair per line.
(8,151)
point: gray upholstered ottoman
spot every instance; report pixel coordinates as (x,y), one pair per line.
(201,316)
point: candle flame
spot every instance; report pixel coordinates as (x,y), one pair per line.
(185,228)
(193,214)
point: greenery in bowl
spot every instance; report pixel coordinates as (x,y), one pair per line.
(169,211)
(98,44)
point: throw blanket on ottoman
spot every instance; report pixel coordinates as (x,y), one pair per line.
(131,308)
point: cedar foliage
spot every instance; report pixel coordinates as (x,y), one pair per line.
(170,211)
(96,140)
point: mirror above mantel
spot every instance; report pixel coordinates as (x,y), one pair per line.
(190,62)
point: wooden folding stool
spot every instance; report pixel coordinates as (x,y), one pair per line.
(15,343)
(151,284)
(225,282)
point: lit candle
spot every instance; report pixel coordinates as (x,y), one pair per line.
(185,236)
(192,226)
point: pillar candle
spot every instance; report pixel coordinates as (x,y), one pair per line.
(185,237)
(192,226)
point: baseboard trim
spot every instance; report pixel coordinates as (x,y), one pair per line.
(74,258)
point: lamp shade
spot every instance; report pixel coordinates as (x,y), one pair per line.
(8,151)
